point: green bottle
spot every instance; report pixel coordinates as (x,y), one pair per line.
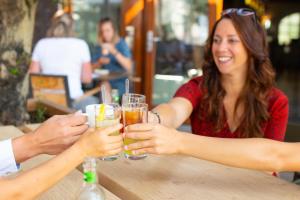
(90,189)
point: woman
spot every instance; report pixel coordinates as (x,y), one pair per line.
(63,54)
(235,98)
(112,54)
(30,184)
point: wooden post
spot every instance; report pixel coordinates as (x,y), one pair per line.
(149,49)
(215,8)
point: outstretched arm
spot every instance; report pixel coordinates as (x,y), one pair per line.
(174,113)
(30,184)
(252,153)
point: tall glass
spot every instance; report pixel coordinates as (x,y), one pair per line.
(132,98)
(101,116)
(133,113)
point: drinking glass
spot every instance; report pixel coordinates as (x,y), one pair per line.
(133,113)
(101,116)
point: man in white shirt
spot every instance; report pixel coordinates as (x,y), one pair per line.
(52,137)
(60,53)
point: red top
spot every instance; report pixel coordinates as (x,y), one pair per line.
(274,128)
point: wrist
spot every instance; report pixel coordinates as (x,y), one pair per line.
(155,117)
(82,146)
(80,150)
(179,142)
(115,53)
(25,147)
(35,147)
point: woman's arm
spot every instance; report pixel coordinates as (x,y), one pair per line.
(30,184)
(86,75)
(174,113)
(125,62)
(252,153)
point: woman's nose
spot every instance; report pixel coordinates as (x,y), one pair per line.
(222,46)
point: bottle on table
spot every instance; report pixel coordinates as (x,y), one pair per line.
(115,96)
(90,189)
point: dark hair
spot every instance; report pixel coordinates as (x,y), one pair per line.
(260,79)
(105,20)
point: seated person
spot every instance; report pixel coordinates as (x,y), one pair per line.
(235,98)
(112,54)
(63,54)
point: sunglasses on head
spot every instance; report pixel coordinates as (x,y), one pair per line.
(240,12)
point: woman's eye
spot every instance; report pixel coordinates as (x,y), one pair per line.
(215,40)
(233,41)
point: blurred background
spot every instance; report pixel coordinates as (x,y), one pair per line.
(166,37)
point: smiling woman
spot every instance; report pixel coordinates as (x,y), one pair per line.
(235,97)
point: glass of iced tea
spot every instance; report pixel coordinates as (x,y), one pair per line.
(101,116)
(133,113)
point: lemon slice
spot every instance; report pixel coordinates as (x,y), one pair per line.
(101,114)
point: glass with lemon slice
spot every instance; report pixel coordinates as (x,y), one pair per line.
(101,116)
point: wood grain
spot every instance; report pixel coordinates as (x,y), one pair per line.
(186,178)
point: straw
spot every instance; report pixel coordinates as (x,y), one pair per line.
(127,86)
(103,94)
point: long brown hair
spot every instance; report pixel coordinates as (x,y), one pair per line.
(260,79)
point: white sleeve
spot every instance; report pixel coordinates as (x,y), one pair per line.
(86,56)
(7,159)
(36,52)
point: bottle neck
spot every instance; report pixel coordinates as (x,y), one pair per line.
(89,171)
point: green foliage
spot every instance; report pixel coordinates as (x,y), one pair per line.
(14,71)
(40,114)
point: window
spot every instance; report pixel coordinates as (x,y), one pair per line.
(289,28)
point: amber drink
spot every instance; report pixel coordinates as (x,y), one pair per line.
(133,113)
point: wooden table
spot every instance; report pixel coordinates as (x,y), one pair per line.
(186,178)
(65,189)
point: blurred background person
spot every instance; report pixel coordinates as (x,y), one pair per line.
(112,54)
(63,54)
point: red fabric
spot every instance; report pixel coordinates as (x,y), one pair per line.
(274,129)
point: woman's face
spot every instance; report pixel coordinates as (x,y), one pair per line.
(107,32)
(229,53)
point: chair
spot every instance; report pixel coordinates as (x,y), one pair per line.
(52,92)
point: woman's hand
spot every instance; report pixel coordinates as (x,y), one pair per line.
(100,143)
(157,139)
(110,48)
(103,61)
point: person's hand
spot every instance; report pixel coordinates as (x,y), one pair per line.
(58,133)
(103,60)
(110,48)
(100,143)
(157,139)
